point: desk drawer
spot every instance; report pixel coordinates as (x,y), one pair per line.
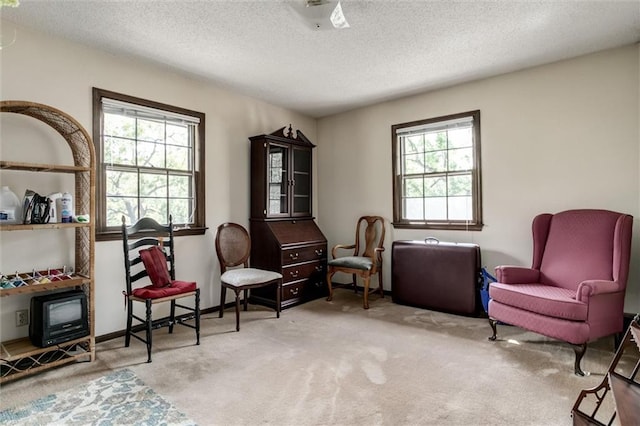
(304,254)
(302,271)
(293,291)
(304,290)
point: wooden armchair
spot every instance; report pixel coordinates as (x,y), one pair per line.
(366,259)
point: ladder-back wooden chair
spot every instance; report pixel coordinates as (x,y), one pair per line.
(149,252)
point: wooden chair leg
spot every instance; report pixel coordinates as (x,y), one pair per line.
(365,303)
(493,323)
(127,336)
(381,288)
(149,329)
(172,316)
(278,298)
(237,310)
(330,273)
(579,351)
(223,296)
(246,298)
(197,308)
(355,283)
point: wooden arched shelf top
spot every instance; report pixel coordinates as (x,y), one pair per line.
(76,136)
(79,142)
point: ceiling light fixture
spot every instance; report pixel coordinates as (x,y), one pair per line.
(322,14)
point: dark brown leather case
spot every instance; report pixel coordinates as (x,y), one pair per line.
(436,275)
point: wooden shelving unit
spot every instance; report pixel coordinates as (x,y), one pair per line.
(19,358)
(623,388)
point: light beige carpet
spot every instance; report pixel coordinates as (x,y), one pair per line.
(333,363)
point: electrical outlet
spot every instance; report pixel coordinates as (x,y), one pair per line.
(22,317)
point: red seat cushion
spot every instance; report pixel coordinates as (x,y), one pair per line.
(155,262)
(174,288)
(542,299)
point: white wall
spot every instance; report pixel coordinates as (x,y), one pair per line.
(39,68)
(555,137)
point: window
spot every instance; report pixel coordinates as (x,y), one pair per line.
(150,161)
(436,172)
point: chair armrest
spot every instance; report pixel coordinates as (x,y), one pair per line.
(340,246)
(589,288)
(378,253)
(516,275)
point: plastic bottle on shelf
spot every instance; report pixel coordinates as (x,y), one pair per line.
(54,210)
(10,211)
(66,208)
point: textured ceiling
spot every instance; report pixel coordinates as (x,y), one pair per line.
(262,48)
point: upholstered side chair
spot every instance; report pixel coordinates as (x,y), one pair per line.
(233,246)
(575,288)
(365,259)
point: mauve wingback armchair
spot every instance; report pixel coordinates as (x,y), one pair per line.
(575,288)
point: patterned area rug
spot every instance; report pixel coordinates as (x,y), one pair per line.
(119,398)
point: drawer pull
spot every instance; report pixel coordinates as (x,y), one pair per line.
(294,291)
(319,252)
(294,274)
(318,268)
(293,256)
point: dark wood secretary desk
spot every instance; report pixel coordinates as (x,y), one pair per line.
(284,235)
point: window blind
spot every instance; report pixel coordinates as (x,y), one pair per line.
(112,106)
(440,126)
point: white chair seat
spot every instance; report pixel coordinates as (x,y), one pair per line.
(247,276)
